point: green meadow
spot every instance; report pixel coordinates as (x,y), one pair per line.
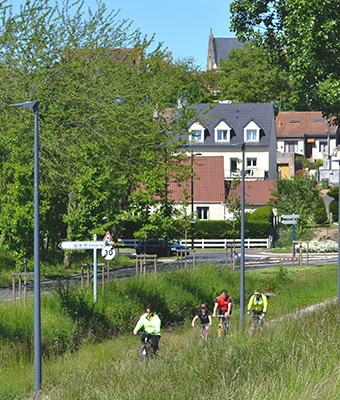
(89,351)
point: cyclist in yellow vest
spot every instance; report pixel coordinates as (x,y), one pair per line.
(258,305)
(152,328)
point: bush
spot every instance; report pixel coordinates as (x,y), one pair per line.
(334,209)
(334,193)
(224,229)
(261,214)
(320,214)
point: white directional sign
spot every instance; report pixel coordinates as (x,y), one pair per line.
(290,219)
(81,245)
(109,253)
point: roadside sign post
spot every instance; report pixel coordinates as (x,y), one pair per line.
(108,252)
(291,220)
(95,271)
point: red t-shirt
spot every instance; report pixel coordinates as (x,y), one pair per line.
(223,303)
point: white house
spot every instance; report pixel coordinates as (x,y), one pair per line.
(221,129)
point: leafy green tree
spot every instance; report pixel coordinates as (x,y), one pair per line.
(298,195)
(103,102)
(302,37)
(250,77)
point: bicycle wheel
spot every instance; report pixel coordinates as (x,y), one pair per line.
(201,338)
(220,331)
(144,351)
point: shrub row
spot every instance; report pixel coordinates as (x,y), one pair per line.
(229,230)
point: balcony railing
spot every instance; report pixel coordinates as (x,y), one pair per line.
(250,173)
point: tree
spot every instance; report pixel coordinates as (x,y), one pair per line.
(298,195)
(250,77)
(303,38)
(99,90)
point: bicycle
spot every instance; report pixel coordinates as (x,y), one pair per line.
(222,328)
(256,322)
(203,335)
(146,349)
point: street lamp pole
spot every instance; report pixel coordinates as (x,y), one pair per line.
(338,161)
(242,266)
(37,308)
(192,201)
(339,237)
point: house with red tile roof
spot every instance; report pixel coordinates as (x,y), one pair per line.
(257,193)
(305,133)
(209,190)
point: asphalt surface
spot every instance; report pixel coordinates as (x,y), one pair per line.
(254,259)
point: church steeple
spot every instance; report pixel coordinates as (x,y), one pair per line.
(211,62)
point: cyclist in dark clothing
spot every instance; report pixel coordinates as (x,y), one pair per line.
(204,316)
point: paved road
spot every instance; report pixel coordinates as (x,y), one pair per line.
(254,259)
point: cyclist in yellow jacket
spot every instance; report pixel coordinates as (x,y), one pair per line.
(152,328)
(258,305)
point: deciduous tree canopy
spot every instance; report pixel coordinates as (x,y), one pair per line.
(104,103)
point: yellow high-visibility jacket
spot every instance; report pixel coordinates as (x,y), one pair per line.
(258,305)
(151,325)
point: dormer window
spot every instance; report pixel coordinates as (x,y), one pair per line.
(222,132)
(252,132)
(196,133)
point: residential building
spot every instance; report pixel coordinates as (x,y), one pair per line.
(306,133)
(257,195)
(208,186)
(221,129)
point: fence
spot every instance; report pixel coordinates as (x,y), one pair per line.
(210,243)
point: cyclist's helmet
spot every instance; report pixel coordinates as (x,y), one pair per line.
(257,291)
(203,306)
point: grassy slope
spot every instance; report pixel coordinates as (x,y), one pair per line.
(292,359)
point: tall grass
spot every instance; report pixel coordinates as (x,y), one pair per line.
(77,366)
(291,359)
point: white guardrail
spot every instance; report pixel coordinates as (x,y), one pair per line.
(211,243)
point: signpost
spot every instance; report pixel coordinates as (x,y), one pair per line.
(291,219)
(81,245)
(108,252)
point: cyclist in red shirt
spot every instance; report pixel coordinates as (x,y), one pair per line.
(224,304)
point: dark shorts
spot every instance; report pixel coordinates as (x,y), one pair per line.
(153,339)
(224,311)
(257,313)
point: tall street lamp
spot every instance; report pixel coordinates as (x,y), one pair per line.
(37,308)
(338,161)
(193,220)
(242,265)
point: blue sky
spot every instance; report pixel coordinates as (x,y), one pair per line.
(182,25)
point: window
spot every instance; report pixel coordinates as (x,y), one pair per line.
(196,132)
(323,147)
(222,132)
(233,164)
(251,132)
(196,135)
(203,212)
(222,135)
(251,135)
(290,147)
(251,162)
